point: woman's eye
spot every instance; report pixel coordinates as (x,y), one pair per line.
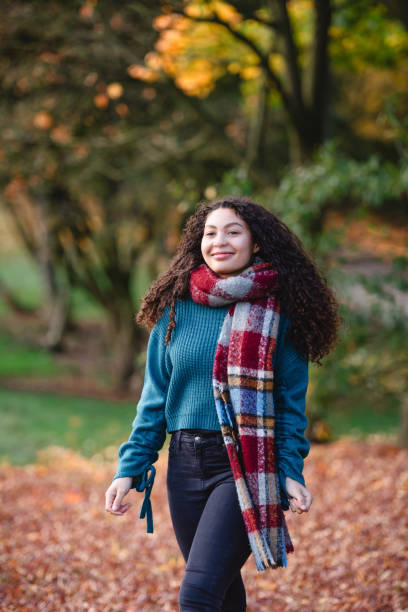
(212,233)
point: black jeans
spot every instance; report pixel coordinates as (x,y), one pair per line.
(207,522)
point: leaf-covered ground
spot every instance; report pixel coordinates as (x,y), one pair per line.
(60,550)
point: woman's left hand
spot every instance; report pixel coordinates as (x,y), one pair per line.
(301,497)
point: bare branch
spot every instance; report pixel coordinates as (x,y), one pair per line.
(274,25)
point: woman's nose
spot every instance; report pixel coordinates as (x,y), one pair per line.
(220,239)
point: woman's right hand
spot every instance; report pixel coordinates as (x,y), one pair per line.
(115,494)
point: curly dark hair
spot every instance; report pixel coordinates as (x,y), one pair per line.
(304,294)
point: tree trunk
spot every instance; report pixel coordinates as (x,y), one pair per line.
(256,128)
(307,99)
(125,339)
(398,9)
(58,309)
(57,295)
(316,81)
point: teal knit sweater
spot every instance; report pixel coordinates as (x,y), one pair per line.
(178,394)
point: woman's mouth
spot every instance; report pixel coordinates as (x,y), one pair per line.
(221,255)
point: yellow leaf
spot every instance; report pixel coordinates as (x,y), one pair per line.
(250,72)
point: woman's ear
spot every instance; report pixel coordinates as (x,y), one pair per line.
(255,248)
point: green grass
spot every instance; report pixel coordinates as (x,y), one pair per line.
(20,359)
(31,421)
(362,420)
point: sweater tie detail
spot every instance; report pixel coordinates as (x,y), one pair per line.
(145,483)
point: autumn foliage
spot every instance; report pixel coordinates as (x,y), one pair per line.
(60,550)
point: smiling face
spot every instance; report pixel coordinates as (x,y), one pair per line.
(227,245)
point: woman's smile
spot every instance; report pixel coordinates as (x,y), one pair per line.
(221,255)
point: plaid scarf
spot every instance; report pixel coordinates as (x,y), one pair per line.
(243,385)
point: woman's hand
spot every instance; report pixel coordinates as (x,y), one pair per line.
(115,494)
(301,497)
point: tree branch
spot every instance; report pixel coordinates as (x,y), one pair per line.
(274,25)
(28,240)
(272,76)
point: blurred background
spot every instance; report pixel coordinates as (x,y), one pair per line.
(118,118)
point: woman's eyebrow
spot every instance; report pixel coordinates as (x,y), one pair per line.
(227,225)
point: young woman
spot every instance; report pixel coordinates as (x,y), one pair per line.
(234,322)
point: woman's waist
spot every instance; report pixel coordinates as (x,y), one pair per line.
(187,416)
(197,434)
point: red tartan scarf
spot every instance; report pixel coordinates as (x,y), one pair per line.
(243,391)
